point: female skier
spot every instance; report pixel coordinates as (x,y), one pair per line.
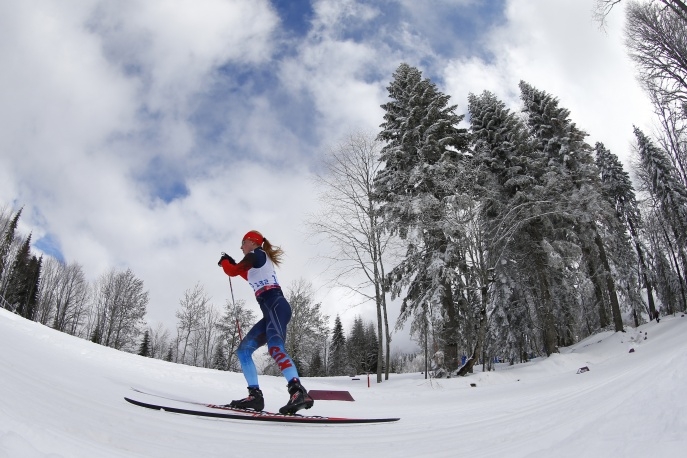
(257,266)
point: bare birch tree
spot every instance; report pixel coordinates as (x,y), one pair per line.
(236,319)
(62,295)
(159,341)
(308,327)
(208,334)
(190,315)
(118,310)
(350,222)
(602,8)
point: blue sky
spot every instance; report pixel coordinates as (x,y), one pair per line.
(295,15)
(152,135)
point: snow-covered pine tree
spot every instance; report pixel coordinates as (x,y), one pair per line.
(670,289)
(618,190)
(670,193)
(581,215)
(22,285)
(361,346)
(670,197)
(219,359)
(356,346)
(316,366)
(6,241)
(508,167)
(422,158)
(337,361)
(372,357)
(144,348)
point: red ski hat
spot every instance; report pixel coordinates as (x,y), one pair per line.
(255,237)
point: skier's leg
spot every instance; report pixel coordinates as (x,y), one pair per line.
(278,313)
(255,339)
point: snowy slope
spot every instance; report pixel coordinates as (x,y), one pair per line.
(63,397)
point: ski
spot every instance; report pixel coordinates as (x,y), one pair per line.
(239,414)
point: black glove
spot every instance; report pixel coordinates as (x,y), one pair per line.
(227,257)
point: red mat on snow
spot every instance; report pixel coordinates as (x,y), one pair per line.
(330,395)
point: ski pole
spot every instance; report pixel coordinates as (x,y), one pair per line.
(238,325)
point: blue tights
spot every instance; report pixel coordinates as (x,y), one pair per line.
(270,330)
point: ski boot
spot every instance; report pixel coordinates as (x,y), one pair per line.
(254,401)
(300,399)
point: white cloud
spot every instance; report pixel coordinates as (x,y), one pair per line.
(331,16)
(333,72)
(341,74)
(557,47)
(177,44)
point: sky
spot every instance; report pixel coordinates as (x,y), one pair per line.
(153,135)
(67,400)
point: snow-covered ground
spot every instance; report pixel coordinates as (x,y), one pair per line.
(63,397)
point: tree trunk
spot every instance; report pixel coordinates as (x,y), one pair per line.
(450,328)
(426,326)
(481,334)
(677,269)
(610,284)
(387,355)
(380,330)
(643,266)
(375,253)
(380,283)
(549,332)
(598,287)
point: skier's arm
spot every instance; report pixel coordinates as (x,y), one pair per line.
(233,269)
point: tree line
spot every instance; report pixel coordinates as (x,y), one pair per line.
(521,237)
(111,311)
(208,337)
(517,236)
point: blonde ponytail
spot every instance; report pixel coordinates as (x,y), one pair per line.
(275,253)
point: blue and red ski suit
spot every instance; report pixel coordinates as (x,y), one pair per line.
(257,268)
